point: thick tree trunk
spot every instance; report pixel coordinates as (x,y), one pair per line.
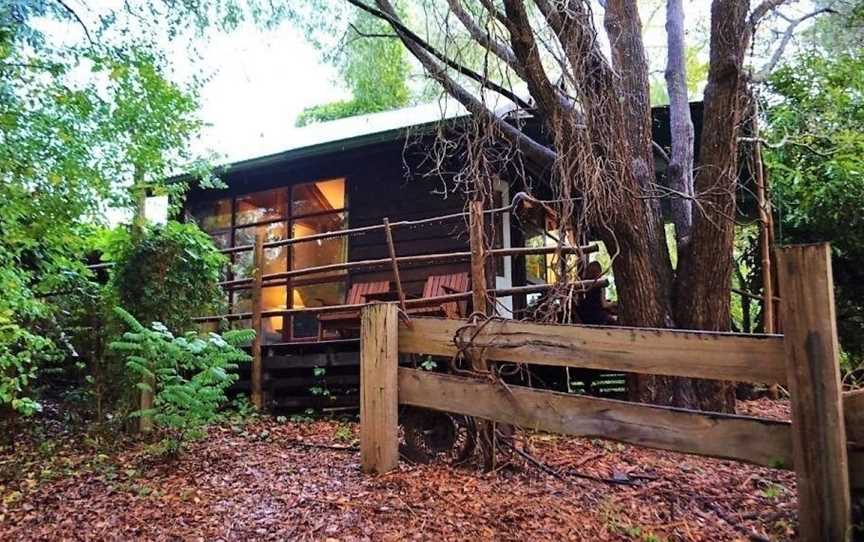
(703,288)
(601,149)
(680,170)
(624,27)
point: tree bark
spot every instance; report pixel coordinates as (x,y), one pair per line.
(703,287)
(680,168)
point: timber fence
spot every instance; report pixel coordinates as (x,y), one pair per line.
(820,444)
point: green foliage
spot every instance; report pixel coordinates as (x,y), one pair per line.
(190,373)
(20,352)
(169,275)
(74,118)
(816,110)
(375,69)
(697,74)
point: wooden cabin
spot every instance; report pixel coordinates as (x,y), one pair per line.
(351,180)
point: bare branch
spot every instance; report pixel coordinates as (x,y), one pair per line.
(769,66)
(525,49)
(550,13)
(362,34)
(407,34)
(499,49)
(490,7)
(539,154)
(75,16)
(763,9)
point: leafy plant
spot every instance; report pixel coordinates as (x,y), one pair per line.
(375,70)
(307,416)
(188,374)
(74,118)
(20,352)
(169,275)
(321,387)
(816,114)
(344,433)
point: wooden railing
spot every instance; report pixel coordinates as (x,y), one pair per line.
(805,359)
(257,281)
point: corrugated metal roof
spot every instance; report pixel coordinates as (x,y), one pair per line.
(348,133)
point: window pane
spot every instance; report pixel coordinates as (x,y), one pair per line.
(261,206)
(221,240)
(535,264)
(272,297)
(319,295)
(275,259)
(213,215)
(322,251)
(318,197)
(314,295)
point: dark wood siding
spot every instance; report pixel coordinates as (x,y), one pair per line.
(383,180)
(382,189)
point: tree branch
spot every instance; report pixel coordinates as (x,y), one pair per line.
(539,154)
(75,16)
(406,33)
(490,7)
(525,49)
(763,9)
(362,34)
(483,37)
(679,173)
(769,66)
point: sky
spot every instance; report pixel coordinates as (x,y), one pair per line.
(264,79)
(260,80)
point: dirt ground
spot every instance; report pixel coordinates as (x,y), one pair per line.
(277,479)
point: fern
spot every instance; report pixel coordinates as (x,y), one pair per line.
(190,373)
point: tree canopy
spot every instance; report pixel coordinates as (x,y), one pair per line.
(816,122)
(77,119)
(374,70)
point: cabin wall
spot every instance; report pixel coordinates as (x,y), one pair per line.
(382,180)
(384,192)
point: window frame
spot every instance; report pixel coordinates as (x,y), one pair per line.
(287,220)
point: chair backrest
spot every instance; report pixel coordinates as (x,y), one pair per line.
(438,285)
(359,290)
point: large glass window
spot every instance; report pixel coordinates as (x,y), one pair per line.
(297,211)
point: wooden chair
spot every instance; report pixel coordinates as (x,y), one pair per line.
(438,285)
(350,318)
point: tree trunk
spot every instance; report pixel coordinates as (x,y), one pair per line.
(703,287)
(628,57)
(601,150)
(680,169)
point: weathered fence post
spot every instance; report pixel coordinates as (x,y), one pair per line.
(818,433)
(379,409)
(257,370)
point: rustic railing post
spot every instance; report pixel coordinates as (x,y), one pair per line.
(391,247)
(379,409)
(812,358)
(258,270)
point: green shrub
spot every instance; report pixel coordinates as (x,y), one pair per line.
(169,275)
(190,373)
(20,353)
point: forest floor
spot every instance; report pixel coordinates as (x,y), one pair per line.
(277,479)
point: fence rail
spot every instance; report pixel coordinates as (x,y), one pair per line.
(814,443)
(697,354)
